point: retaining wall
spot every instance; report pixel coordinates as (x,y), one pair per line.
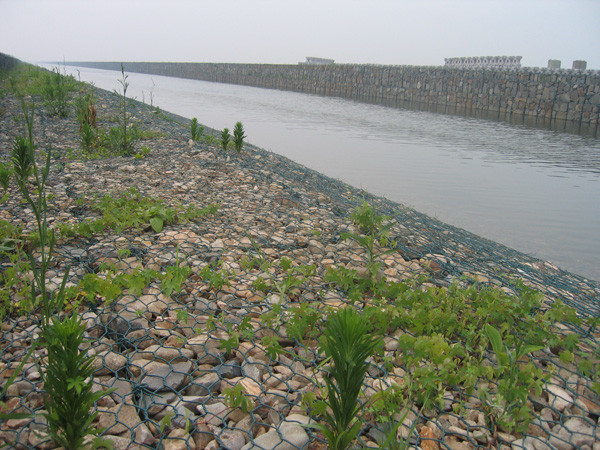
(548,95)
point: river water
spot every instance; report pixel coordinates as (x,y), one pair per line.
(535,190)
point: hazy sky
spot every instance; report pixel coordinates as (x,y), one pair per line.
(413,32)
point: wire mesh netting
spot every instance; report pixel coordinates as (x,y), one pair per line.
(204,280)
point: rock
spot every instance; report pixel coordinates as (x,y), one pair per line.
(108,363)
(119,418)
(179,439)
(290,435)
(120,443)
(203,434)
(168,354)
(558,398)
(166,377)
(215,413)
(428,439)
(232,439)
(207,384)
(229,370)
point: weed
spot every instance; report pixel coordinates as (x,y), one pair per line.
(141,155)
(347,344)
(238,136)
(515,381)
(5,174)
(374,231)
(291,276)
(55,92)
(196,130)
(235,397)
(68,382)
(132,210)
(122,138)
(216,278)
(225,138)
(173,278)
(272,346)
(86,116)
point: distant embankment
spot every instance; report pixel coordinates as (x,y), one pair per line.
(529,94)
(8,62)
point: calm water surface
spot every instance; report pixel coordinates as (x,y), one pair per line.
(532,189)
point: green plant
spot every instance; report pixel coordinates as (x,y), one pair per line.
(235,397)
(374,231)
(56,89)
(122,138)
(22,157)
(389,407)
(196,130)
(173,278)
(86,116)
(281,281)
(68,382)
(238,136)
(225,137)
(272,346)
(141,155)
(217,278)
(515,382)
(347,344)
(5,173)
(232,342)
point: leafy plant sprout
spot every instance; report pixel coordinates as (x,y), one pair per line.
(374,230)
(347,344)
(238,136)
(225,137)
(196,130)
(122,138)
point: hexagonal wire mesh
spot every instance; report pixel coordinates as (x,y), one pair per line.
(208,328)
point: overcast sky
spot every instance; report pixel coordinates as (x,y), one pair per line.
(412,32)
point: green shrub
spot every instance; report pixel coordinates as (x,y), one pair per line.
(122,138)
(196,130)
(225,137)
(55,91)
(347,344)
(68,382)
(238,136)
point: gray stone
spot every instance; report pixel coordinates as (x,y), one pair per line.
(290,435)
(229,370)
(232,439)
(205,385)
(165,377)
(215,413)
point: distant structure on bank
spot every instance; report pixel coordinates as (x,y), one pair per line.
(311,60)
(484,62)
(554,64)
(577,64)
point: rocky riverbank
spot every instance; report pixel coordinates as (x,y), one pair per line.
(175,354)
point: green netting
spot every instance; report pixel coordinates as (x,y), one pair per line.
(227,356)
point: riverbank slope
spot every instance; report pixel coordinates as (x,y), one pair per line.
(263,273)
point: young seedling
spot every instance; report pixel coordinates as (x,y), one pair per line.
(196,130)
(225,137)
(514,381)
(347,344)
(238,136)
